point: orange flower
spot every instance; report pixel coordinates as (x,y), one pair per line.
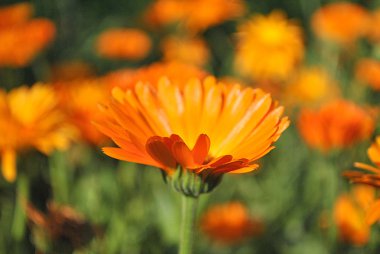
(16,14)
(195,15)
(373,177)
(340,22)
(269,47)
(368,71)
(177,72)
(192,51)
(337,124)
(84,97)
(123,43)
(14,51)
(29,118)
(229,223)
(351,214)
(206,128)
(311,85)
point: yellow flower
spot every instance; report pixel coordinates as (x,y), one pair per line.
(84,97)
(311,85)
(206,128)
(29,118)
(187,50)
(269,47)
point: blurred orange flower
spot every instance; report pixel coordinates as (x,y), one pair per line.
(340,22)
(229,223)
(207,128)
(368,71)
(337,124)
(351,214)
(15,14)
(123,43)
(310,86)
(195,15)
(84,97)
(177,72)
(14,51)
(269,47)
(187,50)
(29,117)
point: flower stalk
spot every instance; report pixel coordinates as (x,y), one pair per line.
(189,211)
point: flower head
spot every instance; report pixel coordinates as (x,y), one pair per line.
(84,97)
(372,174)
(337,124)
(269,47)
(192,51)
(29,118)
(205,128)
(351,214)
(229,223)
(340,22)
(195,15)
(120,43)
(368,71)
(14,51)
(177,72)
(310,86)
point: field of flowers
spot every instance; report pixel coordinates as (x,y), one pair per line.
(190,126)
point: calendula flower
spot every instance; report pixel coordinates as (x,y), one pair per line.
(177,72)
(335,125)
(15,14)
(269,47)
(205,128)
(29,118)
(14,51)
(84,97)
(193,51)
(311,85)
(372,174)
(351,214)
(123,43)
(368,71)
(71,71)
(340,22)
(195,15)
(229,223)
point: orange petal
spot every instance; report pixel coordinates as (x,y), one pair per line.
(373,213)
(157,149)
(183,155)
(8,165)
(201,148)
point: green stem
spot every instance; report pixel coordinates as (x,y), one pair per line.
(189,207)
